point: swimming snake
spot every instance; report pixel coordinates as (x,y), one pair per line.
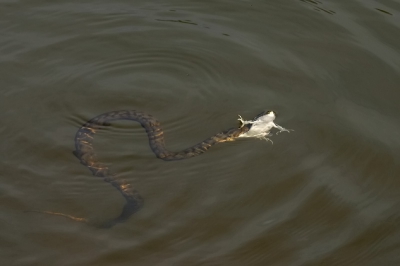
(259,127)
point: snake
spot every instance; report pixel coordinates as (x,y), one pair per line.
(85,152)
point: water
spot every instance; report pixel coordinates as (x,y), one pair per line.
(325,194)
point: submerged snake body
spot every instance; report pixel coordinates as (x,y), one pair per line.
(85,153)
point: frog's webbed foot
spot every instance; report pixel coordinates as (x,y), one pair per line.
(285,130)
(241,121)
(267,139)
(281,129)
(264,137)
(244,122)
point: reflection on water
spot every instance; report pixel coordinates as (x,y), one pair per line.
(317,5)
(326,194)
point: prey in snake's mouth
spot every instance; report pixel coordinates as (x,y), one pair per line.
(259,127)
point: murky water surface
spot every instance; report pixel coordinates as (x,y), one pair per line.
(326,194)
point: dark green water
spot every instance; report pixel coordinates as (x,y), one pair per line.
(326,194)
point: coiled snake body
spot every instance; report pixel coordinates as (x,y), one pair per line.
(258,127)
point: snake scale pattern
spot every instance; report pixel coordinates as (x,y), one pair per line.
(259,127)
(87,156)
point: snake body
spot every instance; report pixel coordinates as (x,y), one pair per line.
(87,156)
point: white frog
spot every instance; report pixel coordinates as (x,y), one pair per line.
(261,126)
